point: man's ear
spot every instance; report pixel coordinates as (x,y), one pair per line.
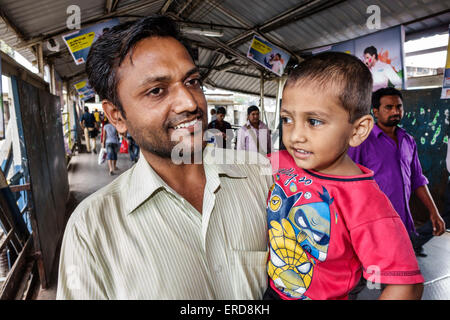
(361,130)
(114,116)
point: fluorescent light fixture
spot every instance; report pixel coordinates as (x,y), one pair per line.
(203,31)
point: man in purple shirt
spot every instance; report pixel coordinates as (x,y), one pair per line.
(392,154)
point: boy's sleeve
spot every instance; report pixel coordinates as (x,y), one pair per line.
(383,246)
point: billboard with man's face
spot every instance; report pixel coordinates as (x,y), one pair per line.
(382,52)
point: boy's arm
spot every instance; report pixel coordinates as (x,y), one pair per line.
(402,292)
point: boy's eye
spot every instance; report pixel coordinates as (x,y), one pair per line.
(315,122)
(285,120)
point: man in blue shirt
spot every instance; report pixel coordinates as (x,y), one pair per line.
(88,124)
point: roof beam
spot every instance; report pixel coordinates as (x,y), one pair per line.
(111,6)
(284,18)
(122,11)
(11,25)
(165,7)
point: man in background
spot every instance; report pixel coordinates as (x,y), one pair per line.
(392,154)
(254,135)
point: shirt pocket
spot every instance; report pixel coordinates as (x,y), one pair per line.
(249,273)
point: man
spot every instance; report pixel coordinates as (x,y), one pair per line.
(223,133)
(88,124)
(213,114)
(164,230)
(254,135)
(392,154)
(382,73)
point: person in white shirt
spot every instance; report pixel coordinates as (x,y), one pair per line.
(382,73)
(162,229)
(254,135)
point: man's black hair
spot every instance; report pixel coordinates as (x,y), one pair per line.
(251,109)
(380,93)
(347,75)
(110,50)
(86,109)
(372,51)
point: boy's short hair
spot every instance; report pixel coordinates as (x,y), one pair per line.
(251,109)
(380,93)
(342,72)
(221,110)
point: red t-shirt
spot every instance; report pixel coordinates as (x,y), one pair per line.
(324,230)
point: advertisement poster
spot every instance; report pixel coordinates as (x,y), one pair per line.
(268,55)
(382,52)
(79,42)
(2,120)
(84,89)
(446,85)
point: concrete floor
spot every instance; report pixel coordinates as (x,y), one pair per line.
(86,177)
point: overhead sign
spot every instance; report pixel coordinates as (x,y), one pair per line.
(446,85)
(84,90)
(79,42)
(268,55)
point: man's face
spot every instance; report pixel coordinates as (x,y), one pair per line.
(390,111)
(160,91)
(253,117)
(370,60)
(220,117)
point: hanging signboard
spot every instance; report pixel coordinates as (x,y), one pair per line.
(446,85)
(268,55)
(84,89)
(79,42)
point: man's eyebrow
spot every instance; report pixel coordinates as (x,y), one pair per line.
(191,72)
(152,79)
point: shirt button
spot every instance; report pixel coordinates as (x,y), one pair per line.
(218,269)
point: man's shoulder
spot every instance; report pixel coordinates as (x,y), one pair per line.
(106,203)
(249,161)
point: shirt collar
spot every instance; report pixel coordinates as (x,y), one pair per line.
(144,182)
(400,132)
(260,125)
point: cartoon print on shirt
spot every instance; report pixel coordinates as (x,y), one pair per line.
(313,219)
(293,231)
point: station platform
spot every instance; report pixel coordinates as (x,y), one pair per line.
(86,177)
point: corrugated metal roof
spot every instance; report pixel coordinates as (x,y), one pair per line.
(295,25)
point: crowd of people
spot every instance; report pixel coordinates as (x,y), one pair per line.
(334,211)
(95,123)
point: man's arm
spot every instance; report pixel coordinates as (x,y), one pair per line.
(402,292)
(79,276)
(424,195)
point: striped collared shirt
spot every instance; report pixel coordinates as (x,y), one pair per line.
(138,239)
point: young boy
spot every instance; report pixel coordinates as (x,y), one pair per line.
(328,220)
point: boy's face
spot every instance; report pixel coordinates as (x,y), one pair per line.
(316,128)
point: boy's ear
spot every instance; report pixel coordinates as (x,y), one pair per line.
(114,116)
(361,130)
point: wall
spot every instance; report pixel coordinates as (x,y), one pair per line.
(427,120)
